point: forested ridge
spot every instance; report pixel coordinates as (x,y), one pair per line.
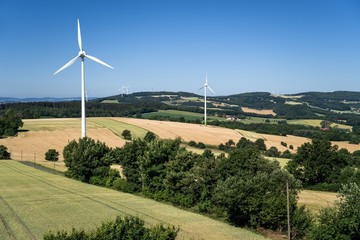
(311,105)
(72,109)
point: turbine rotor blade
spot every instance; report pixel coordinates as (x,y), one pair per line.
(201,88)
(67,64)
(99,61)
(210,89)
(79,37)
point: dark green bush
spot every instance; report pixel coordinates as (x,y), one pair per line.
(83,158)
(126,134)
(4,154)
(201,145)
(150,136)
(272,152)
(127,228)
(52,155)
(221,147)
(301,223)
(342,220)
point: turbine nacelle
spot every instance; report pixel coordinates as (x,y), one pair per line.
(82,54)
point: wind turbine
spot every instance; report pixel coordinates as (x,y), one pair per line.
(82,55)
(205,87)
(122,90)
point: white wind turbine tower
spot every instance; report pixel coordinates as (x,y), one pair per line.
(205,87)
(122,90)
(82,55)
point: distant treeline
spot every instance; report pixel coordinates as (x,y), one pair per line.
(311,105)
(72,109)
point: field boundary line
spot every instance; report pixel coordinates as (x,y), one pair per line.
(7,227)
(18,219)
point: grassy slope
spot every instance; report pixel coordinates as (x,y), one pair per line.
(60,124)
(52,124)
(178,114)
(118,127)
(33,202)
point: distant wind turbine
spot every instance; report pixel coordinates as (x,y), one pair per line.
(126,90)
(205,87)
(82,55)
(123,90)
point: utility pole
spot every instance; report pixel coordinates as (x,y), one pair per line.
(288,209)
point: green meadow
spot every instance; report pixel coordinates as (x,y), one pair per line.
(177,114)
(117,127)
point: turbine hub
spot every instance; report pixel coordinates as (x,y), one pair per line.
(82,54)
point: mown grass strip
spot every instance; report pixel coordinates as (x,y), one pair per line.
(52,124)
(117,127)
(176,114)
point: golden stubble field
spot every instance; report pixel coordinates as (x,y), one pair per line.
(210,135)
(261,112)
(213,135)
(45,134)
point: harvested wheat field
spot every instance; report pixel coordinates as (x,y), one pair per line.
(316,200)
(275,140)
(45,134)
(350,147)
(213,135)
(53,134)
(260,112)
(210,135)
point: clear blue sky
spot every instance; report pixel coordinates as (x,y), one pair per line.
(244,46)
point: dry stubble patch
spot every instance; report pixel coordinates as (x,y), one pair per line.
(210,135)
(316,200)
(260,112)
(33,145)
